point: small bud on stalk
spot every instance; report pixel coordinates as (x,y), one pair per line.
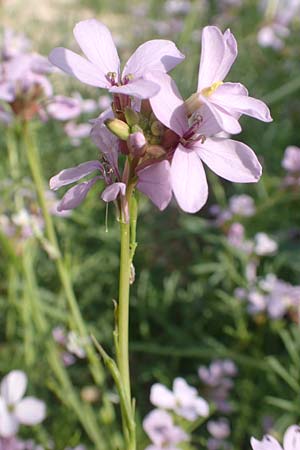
(118,128)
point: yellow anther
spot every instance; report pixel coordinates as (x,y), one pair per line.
(207,92)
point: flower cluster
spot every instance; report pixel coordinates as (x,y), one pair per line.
(277,26)
(72,344)
(27,92)
(26,221)
(16,410)
(291,163)
(163,139)
(182,402)
(218,379)
(291,441)
(271,296)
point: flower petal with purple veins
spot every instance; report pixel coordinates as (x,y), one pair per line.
(188,180)
(96,42)
(154,181)
(218,53)
(68,176)
(168,105)
(78,67)
(230,159)
(138,88)
(227,122)
(227,96)
(111,192)
(155,55)
(74,196)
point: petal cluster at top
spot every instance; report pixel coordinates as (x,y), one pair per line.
(102,66)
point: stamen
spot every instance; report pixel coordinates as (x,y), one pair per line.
(112,78)
(207,92)
(127,78)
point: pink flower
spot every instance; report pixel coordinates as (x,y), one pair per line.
(219,429)
(16,410)
(229,159)
(102,66)
(291,441)
(291,159)
(183,400)
(64,108)
(226,102)
(161,430)
(153,180)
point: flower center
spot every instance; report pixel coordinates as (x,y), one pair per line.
(193,103)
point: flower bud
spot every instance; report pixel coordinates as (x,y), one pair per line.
(90,394)
(136,143)
(157,128)
(131,116)
(156,151)
(118,128)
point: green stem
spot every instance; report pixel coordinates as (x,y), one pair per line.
(123,308)
(36,171)
(127,249)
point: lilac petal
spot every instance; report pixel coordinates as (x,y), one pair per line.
(291,440)
(107,142)
(217,56)
(78,67)
(7,92)
(74,196)
(158,424)
(30,411)
(96,42)
(155,55)
(230,159)
(64,108)
(154,181)
(13,386)
(8,423)
(188,180)
(162,397)
(268,443)
(226,121)
(209,125)
(137,88)
(183,391)
(68,176)
(111,192)
(168,105)
(228,97)
(201,407)
(17,67)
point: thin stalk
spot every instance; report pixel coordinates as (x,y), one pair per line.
(123,308)
(67,393)
(127,249)
(36,171)
(28,270)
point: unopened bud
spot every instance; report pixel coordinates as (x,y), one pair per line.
(118,128)
(132,117)
(154,140)
(156,151)
(157,128)
(136,143)
(90,394)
